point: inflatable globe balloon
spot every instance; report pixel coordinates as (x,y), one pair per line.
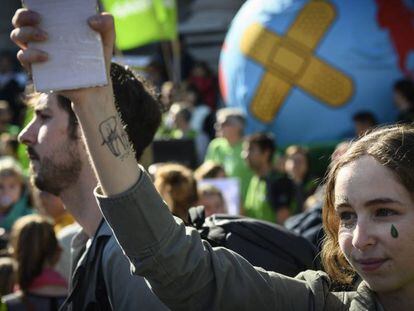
(302,69)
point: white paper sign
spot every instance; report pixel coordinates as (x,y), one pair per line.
(230,188)
(76,58)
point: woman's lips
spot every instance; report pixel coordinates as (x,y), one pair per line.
(371,264)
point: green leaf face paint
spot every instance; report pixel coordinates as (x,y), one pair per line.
(394,232)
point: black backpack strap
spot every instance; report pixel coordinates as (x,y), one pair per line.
(197,217)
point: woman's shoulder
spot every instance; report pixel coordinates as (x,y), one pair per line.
(320,284)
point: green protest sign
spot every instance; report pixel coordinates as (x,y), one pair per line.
(139,22)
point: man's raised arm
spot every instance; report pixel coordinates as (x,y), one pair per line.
(110,151)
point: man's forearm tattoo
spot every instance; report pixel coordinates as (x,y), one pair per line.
(114,137)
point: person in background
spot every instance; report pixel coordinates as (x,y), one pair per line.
(177,186)
(269,193)
(200,112)
(7,275)
(309,223)
(36,250)
(167,95)
(298,170)
(9,145)
(155,74)
(181,118)
(52,206)
(14,199)
(209,169)
(203,79)
(364,121)
(5,117)
(404,100)
(226,149)
(12,86)
(212,199)
(167,98)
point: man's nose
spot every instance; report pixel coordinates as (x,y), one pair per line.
(28,135)
(363,236)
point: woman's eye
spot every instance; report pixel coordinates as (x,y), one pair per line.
(384,212)
(347,218)
(346,215)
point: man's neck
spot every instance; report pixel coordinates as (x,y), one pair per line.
(185,128)
(234,140)
(80,201)
(264,170)
(297,179)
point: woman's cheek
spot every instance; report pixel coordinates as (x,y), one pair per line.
(16,195)
(345,241)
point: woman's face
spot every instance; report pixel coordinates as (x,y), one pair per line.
(401,102)
(296,165)
(213,204)
(369,202)
(10,190)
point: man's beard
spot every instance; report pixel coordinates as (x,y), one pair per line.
(54,177)
(253,165)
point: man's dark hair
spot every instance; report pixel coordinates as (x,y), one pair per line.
(365,117)
(137,105)
(192,89)
(65,105)
(406,88)
(264,141)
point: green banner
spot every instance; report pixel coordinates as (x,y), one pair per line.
(139,22)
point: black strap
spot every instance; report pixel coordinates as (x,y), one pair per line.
(101,292)
(197,216)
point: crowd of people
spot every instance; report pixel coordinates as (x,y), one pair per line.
(57,250)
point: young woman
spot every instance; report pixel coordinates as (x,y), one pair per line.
(13,193)
(36,251)
(368,217)
(178,187)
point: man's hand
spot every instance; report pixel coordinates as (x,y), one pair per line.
(27,30)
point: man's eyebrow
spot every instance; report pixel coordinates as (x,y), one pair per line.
(42,109)
(380,201)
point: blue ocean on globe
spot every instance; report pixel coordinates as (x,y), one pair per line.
(302,69)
